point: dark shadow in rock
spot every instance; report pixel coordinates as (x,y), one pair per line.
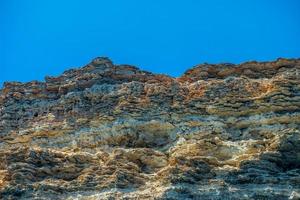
(273,176)
(272,167)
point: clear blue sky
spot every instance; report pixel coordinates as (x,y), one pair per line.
(46,37)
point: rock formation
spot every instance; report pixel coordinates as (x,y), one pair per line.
(108,131)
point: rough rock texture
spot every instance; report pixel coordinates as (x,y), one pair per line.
(108,131)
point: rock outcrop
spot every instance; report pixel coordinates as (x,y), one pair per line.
(108,131)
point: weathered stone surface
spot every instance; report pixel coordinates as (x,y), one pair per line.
(108,131)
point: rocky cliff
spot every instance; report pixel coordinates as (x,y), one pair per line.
(108,131)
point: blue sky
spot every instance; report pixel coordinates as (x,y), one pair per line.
(39,38)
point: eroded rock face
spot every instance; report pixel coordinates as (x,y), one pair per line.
(108,131)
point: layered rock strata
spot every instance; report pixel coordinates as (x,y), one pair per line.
(108,131)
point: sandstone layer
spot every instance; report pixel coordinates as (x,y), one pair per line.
(108,131)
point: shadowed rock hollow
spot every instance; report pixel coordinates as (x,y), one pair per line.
(108,131)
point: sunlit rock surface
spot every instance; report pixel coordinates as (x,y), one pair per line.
(108,131)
